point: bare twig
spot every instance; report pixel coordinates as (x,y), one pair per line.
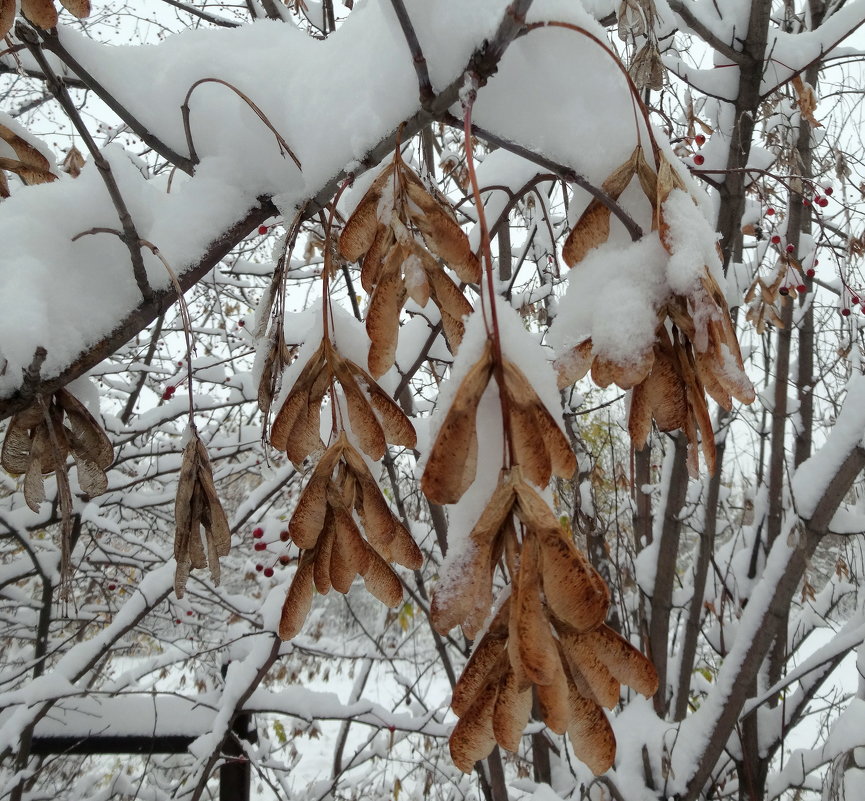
(417,56)
(130,236)
(201,14)
(184,109)
(51,43)
(704,32)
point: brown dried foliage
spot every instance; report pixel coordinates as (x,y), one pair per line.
(197,507)
(548,637)
(399,228)
(40,438)
(29,164)
(374,417)
(340,498)
(695,349)
(539,446)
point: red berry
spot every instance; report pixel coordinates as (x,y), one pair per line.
(801,289)
(776,240)
(770,211)
(262,229)
(180,363)
(790,248)
(259,546)
(806,202)
(784,291)
(190,613)
(169,393)
(241,323)
(854,300)
(284,559)
(268,572)
(828,190)
(177,621)
(259,568)
(816,262)
(698,159)
(283,535)
(700,140)
(845,312)
(258,533)
(822,202)
(810,272)
(112,587)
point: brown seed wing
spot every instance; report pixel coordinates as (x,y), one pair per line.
(91,477)
(40,12)
(34,484)
(297,402)
(7,17)
(77,8)
(623,661)
(17,443)
(349,553)
(535,642)
(444,292)
(664,391)
(590,733)
(511,712)
(298,600)
(573,364)
(452,462)
(624,374)
(591,230)
(364,423)
(554,699)
(473,738)
(640,417)
(220,530)
(441,232)
(397,428)
(454,330)
(485,657)
(309,515)
(382,323)
(373,261)
(381,581)
(574,591)
(583,658)
(360,229)
(323,553)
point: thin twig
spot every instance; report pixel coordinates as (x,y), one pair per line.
(197,12)
(184,110)
(704,32)
(417,56)
(130,236)
(51,43)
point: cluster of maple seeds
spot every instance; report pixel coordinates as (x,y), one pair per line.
(695,349)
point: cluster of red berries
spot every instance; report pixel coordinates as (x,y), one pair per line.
(284,559)
(699,141)
(169,392)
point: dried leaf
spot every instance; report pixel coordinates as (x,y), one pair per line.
(806,100)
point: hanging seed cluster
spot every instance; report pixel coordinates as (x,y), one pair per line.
(398,229)
(40,439)
(695,349)
(342,523)
(197,507)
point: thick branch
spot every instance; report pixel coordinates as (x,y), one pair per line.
(417,56)
(704,32)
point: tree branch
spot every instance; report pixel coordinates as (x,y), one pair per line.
(704,32)
(418,59)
